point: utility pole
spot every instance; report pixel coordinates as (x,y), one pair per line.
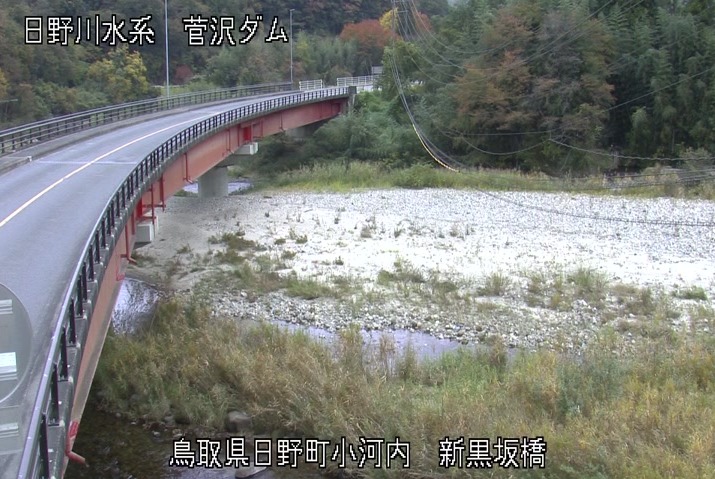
(166,43)
(291,46)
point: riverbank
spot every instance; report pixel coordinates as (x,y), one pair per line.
(633,300)
(455,264)
(647,414)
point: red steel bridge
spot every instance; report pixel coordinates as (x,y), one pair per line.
(75,194)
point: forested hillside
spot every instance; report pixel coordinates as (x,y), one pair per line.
(534,84)
(561,86)
(48,78)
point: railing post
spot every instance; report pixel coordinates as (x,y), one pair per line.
(103,234)
(79,304)
(64,366)
(90,261)
(54,397)
(72,318)
(84,282)
(44,449)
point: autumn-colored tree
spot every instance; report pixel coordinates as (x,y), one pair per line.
(388,20)
(411,20)
(504,90)
(122,75)
(371,39)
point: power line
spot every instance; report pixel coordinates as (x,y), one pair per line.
(630,157)
(461,138)
(448,162)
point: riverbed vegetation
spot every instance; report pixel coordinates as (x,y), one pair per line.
(648,414)
(336,176)
(236,265)
(387,154)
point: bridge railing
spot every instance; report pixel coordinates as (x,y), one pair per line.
(22,136)
(366,80)
(305,85)
(44,448)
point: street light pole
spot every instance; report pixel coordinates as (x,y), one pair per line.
(166,43)
(291,46)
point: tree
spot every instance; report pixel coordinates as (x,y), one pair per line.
(415,21)
(3,85)
(254,62)
(528,81)
(325,58)
(122,76)
(371,39)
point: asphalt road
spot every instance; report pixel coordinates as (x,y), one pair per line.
(48,209)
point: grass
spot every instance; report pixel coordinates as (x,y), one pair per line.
(186,194)
(363,175)
(496,284)
(639,302)
(259,274)
(186,249)
(141,258)
(642,312)
(300,239)
(693,292)
(404,273)
(235,241)
(307,288)
(365,232)
(288,254)
(702,312)
(588,284)
(646,415)
(334,177)
(559,290)
(369,228)
(408,281)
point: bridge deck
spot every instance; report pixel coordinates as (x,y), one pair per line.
(48,209)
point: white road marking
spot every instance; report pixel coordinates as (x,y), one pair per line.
(67,163)
(86,165)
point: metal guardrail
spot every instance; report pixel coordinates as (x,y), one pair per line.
(358,81)
(16,138)
(305,85)
(44,448)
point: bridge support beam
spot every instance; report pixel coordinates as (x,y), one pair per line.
(235,158)
(214,183)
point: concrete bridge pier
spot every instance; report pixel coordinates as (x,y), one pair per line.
(303,132)
(214,183)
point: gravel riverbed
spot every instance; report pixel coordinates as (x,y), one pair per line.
(426,260)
